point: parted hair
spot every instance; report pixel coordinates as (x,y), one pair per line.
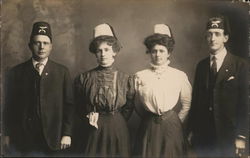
(111,41)
(160,39)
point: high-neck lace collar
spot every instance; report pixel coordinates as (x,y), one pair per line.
(106,69)
(159,69)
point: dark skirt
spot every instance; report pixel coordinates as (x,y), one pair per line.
(111,139)
(160,136)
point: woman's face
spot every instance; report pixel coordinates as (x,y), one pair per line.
(159,54)
(105,55)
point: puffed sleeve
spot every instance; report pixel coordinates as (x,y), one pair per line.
(138,105)
(128,108)
(185,97)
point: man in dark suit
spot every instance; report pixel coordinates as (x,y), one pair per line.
(218,115)
(39,105)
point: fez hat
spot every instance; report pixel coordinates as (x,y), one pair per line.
(219,22)
(41,28)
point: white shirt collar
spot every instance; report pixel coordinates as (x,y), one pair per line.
(220,55)
(43,62)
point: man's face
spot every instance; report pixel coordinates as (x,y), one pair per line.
(40,47)
(105,54)
(216,40)
(159,54)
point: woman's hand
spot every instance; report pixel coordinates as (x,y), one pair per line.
(93,118)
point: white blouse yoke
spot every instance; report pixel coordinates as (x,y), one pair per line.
(159,88)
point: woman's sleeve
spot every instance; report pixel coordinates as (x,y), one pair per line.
(185,97)
(128,108)
(80,100)
(138,105)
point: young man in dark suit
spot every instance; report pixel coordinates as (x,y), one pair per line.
(218,115)
(39,104)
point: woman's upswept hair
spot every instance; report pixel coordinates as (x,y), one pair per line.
(160,39)
(111,41)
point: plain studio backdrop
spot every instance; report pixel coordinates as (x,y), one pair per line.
(73,21)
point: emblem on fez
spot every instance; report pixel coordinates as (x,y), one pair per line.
(42,29)
(215,24)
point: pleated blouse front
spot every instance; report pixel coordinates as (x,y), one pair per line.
(103,90)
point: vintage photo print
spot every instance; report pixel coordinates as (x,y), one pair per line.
(114,78)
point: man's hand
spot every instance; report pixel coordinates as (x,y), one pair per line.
(65,142)
(240,145)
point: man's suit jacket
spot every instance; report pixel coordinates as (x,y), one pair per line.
(56,103)
(230,106)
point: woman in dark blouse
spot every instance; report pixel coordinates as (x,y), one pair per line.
(104,97)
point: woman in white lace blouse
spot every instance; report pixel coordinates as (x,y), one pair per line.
(158,89)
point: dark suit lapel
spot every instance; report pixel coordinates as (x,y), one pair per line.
(27,80)
(206,69)
(225,68)
(29,69)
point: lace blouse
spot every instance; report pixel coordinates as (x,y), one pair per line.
(159,88)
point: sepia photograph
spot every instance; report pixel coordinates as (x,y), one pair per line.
(134,78)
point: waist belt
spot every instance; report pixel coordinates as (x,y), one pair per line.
(159,118)
(108,112)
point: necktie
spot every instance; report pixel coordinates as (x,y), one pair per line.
(214,66)
(213,71)
(39,68)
